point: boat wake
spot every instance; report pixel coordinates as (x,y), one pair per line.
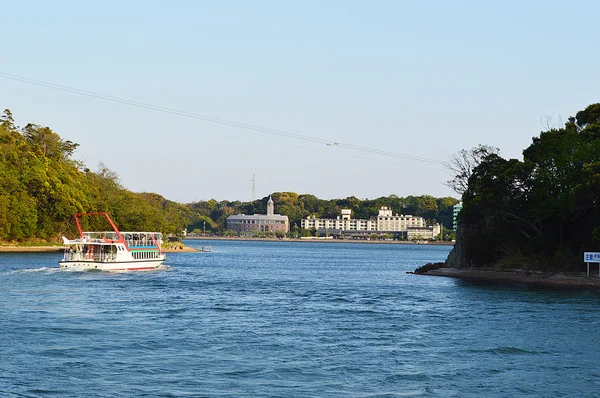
(75,268)
(30,270)
(41,269)
(52,270)
(49,270)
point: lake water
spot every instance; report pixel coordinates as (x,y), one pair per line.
(271,319)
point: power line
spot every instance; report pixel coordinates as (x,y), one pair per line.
(214,120)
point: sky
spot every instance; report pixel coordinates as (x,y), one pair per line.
(342,95)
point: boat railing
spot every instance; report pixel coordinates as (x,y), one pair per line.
(137,239)
(140,243)
(98,256)
(100,236)
(142,239)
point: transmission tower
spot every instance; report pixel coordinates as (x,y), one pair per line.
(253,187)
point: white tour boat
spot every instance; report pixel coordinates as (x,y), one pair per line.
(112,250)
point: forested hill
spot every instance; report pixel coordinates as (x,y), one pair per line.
(539,213)
(41,187)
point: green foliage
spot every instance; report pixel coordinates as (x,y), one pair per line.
(41,188)
(544,207)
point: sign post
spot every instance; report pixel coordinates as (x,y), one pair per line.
(591,257)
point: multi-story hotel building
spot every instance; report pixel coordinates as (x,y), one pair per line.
(270,222)
(385,221)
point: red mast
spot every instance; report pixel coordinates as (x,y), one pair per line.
(101,213)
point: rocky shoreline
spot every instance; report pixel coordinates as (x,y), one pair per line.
(539,279)
(457,265)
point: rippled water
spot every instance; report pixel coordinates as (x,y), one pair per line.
(275,319)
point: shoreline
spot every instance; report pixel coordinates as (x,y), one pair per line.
(519,277)
(391,242)
(181,249)
(56,249)
(31,249)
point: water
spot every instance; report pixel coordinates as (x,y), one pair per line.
(274,319)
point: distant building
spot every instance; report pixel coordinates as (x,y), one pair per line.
(423,233)
(250,224)
(457,208)
(384,222)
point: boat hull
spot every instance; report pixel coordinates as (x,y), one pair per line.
(140,265)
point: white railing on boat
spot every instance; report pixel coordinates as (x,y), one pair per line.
(95,256)
(138,239)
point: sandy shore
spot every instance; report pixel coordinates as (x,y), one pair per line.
(179,249)
(521,277)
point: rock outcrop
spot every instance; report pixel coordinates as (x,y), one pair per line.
(456,258)
(429,267)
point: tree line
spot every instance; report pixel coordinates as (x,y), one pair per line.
(212,215)
(42,186)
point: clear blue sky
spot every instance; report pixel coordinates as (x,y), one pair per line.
(418,78)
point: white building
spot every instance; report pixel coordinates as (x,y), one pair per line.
(385,221)
(424,233)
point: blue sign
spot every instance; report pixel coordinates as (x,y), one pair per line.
(591,257)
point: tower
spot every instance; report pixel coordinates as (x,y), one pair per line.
(270,207)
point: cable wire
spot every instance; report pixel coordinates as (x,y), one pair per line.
(214,119)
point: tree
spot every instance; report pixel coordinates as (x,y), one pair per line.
(7,121)
(47,142)
(463,163)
